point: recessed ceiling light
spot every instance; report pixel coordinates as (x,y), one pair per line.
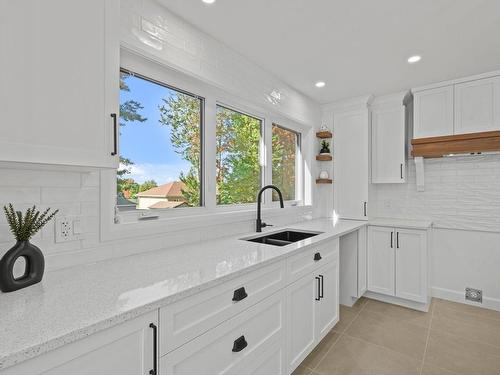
(320,84)
(208,1)
(414,59)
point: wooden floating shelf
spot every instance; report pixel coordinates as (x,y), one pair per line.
(324,157)
(324,134)
(435,147)
(324,181)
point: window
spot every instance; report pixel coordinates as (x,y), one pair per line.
(238,170)
(160,146)
(285,146)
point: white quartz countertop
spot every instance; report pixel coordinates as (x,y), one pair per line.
(73,303)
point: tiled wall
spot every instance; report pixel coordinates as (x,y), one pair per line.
(460,193)
(150,28)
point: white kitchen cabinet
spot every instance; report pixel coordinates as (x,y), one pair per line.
(397,262)
(433,112)
(477,106)
(381,260)
(327,310)
(60,81)
(233,346)
(388,140)
(353,263)
(411,264)
(127,349)
(302,297)
(351,164)
(312,310)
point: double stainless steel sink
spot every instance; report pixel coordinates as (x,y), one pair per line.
(281,238)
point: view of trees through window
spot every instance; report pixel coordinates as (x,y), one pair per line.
(160,146)
(285,144)
(237,161)
(161,150)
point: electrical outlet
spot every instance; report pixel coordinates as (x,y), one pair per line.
(474,295)
(65,229)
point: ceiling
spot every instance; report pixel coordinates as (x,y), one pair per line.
(356,46)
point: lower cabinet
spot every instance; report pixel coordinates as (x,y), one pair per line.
(397,262)
(312,311)
(126,349)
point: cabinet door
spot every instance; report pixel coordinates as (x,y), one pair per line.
(351,164)
(302,298)
(433,112)
(59,60)
(381,260)
(327,310)
(388,145)
(411,264)
(477,106)
(126,349)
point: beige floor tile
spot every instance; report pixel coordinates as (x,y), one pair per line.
(433,370)
(301,370)
(359,305)
(478,312)
(464,324)
(460,355)
(351,356)
(391,333)
(319,352)
(347,315)
(400,313)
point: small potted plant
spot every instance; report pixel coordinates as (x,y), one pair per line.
(23,227)
(325,148)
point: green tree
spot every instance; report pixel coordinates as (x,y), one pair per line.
(284,145)
(129,113)
(146,185)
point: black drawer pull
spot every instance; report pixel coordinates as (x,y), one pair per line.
(239,344)
(318,297)
(317,257)
(321,293)
(239,294)
(154,371)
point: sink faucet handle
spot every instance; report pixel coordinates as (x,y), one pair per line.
(266,225)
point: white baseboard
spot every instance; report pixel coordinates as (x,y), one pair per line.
(454,296)
(398,301)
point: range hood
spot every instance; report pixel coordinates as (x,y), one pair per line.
(436,147)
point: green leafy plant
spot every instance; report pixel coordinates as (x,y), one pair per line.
(23,227)
(325,147)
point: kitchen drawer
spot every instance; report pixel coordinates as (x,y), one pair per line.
(217,352)
(307,261)
(195,315)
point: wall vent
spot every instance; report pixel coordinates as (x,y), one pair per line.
(474,295)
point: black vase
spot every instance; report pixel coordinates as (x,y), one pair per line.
(35,266)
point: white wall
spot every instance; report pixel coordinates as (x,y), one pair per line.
(156,33)
(462,198)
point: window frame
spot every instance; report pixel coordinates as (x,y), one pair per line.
(133,224)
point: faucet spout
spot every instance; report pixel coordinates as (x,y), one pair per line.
(259,224)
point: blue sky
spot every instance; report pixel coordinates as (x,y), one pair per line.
(147,144)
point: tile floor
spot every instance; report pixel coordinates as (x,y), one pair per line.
(375,338)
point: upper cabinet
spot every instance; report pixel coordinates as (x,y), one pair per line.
(388,139)
(468,105)
(60,82)
(477,106)
(433,112)
(351,155)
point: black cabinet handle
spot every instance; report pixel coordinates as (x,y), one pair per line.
(321,293)
(318,298)
(401,168)
(397,240)
(239,344)
(115,135)
(392,235)
(317,257)
(364,208)
(154,371)
(239,294)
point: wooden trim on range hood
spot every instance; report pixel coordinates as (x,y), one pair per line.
(436,147)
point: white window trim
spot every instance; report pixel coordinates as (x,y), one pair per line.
(210,214)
